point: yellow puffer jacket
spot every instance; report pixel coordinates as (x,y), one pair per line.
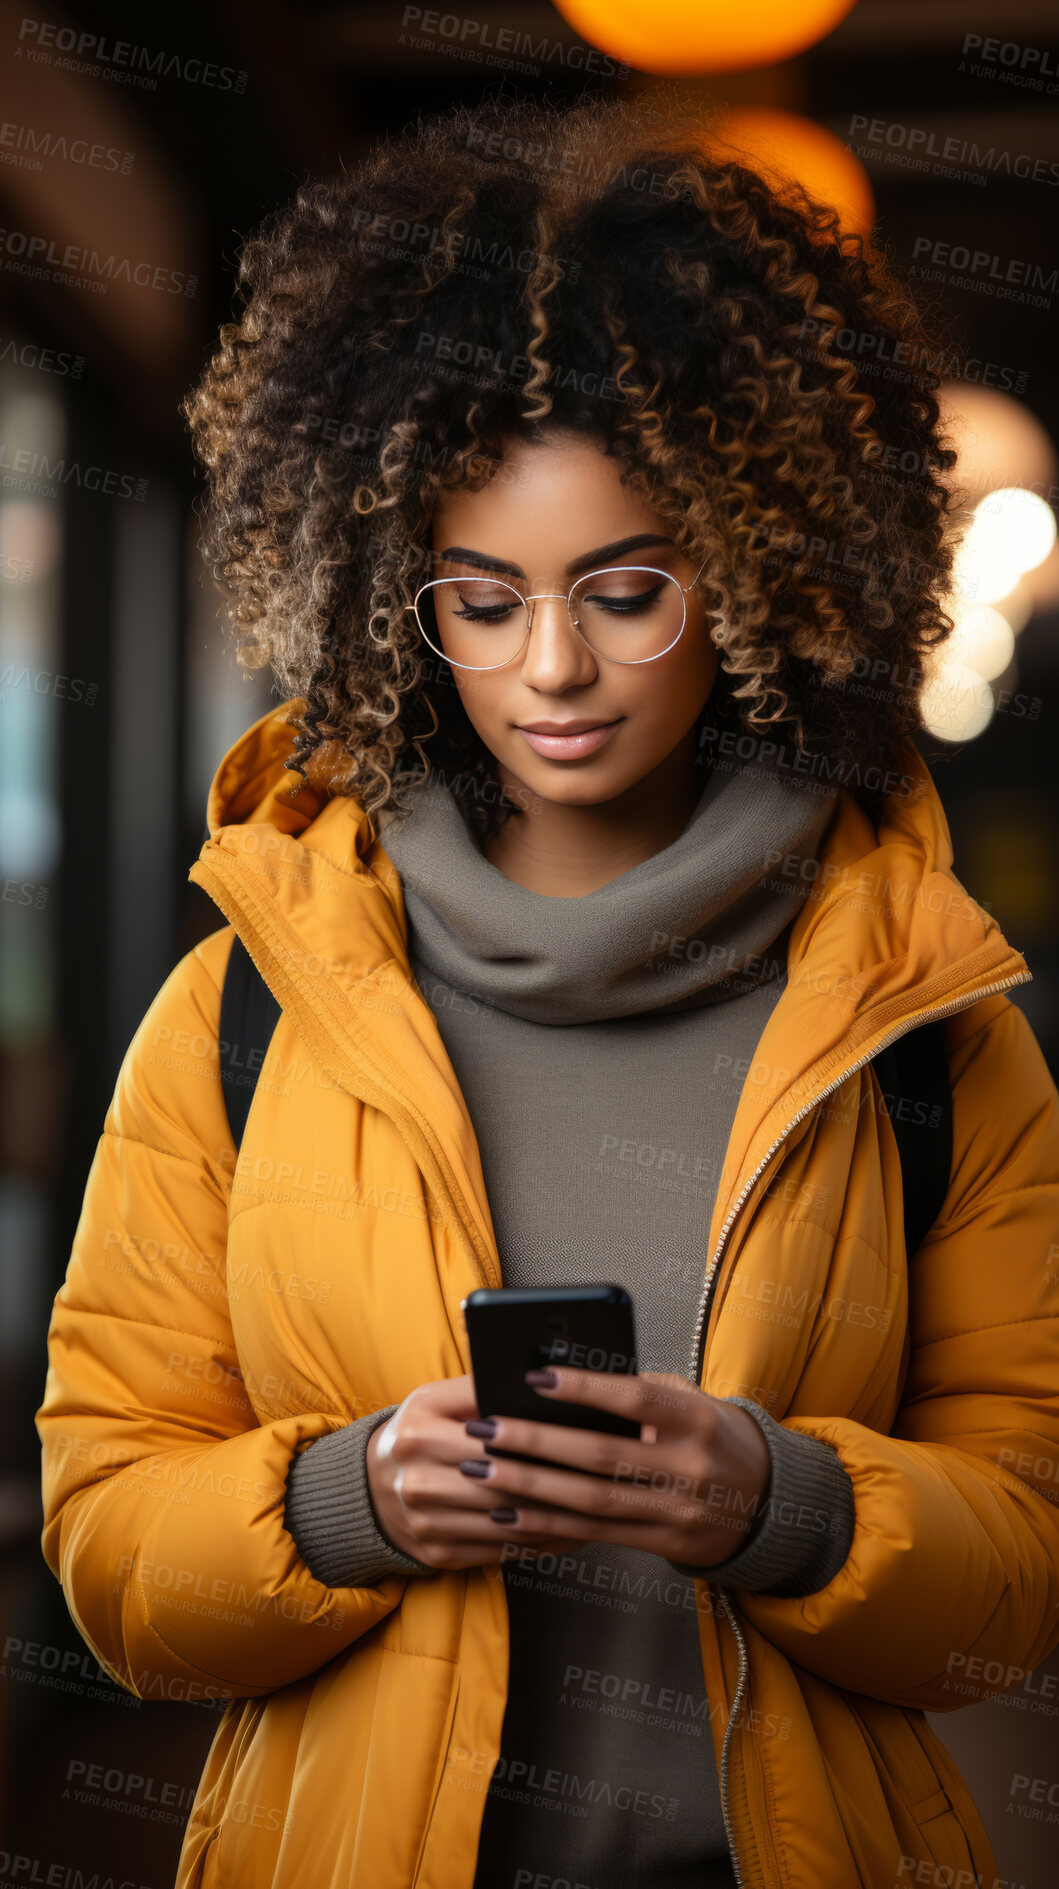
(219,1313)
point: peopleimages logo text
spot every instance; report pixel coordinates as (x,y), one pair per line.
(920,142)
(41,39)
(72,259)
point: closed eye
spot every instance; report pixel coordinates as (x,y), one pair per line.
(617,605)
(484,613)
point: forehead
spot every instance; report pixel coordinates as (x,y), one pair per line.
(549,502)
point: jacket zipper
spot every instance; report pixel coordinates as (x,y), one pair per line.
(744,1668)
(941,1010)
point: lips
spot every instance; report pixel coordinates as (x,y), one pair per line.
(569,740)
(560,727)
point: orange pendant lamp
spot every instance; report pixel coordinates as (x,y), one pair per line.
(671,36)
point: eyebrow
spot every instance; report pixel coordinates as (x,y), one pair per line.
(591,560)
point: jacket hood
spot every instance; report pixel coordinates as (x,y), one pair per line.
(252,784)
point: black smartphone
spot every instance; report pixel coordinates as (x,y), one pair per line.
(515,1329)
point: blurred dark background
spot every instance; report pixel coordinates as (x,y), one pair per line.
(118,697)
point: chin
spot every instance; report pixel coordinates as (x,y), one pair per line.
(576,783)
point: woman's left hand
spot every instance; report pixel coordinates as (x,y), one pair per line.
(690,1489)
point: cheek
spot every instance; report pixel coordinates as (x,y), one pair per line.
(481,697)
(680,687)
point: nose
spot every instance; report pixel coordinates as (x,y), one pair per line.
(555,657)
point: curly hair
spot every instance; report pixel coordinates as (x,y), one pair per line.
(500,270)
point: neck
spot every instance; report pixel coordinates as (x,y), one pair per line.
(567,851)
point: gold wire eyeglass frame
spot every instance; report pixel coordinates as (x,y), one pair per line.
(608,570)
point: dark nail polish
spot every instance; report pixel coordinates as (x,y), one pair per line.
(542,1380)
(503,1515)
(481,1426)
(475,1469)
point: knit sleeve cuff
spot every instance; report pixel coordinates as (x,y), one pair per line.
(329,1512)
(804,1530)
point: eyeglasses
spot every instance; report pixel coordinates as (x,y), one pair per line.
(631,613)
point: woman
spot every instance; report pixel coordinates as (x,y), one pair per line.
(591,862)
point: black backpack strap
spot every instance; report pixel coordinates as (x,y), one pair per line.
(249,1015)
(913,1074)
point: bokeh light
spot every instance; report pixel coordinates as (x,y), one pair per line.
(955,703)
(784,147)
(674,36)
(998,440)
(982,640)
(30,538)
(1006,563)
(1010,533)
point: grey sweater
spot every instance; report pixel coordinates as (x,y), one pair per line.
(601,1144)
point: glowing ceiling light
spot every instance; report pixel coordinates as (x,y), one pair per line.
(703,35)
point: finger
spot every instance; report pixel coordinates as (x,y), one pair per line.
(448,1397)
(478,1484)
(594,1452)
(428,1487)
(666,1497)
(665,1402)
(420,1430)
(529,1522)
(437,1528)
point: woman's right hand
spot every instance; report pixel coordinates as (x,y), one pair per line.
(423,1502)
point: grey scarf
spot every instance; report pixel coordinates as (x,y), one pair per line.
(691,925)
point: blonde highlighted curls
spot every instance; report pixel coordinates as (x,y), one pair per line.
(512,267)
